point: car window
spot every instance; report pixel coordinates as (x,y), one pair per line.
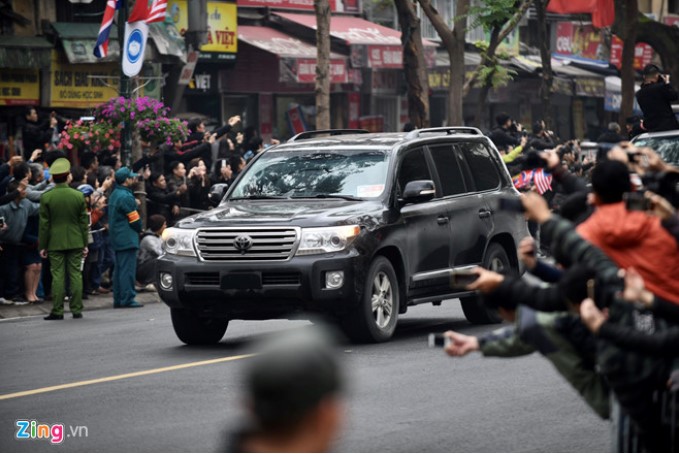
(413,167)
(484,172)
(666,147)
(448,169)
(300,173)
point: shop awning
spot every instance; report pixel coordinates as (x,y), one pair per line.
(167,40)
(80,39)
(372,45)
(297,59)
(584,83)
(24,52)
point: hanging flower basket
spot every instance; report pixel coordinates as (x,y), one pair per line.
(96,137)
(119,110)
(163,130)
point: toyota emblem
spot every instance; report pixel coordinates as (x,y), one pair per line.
(242,243)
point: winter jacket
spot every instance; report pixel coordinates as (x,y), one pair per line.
(655,101)
(634,238)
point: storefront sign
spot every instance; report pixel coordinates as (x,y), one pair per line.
(189,67)
(348,6)
(222,37)
(590,87)
(303,71)
(643,54)
(385,57)
(580,41)
(72,86)
(562,86)
(439,78)
(19,87)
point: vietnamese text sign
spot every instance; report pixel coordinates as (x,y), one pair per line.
(580,41)
(303,5)
(19,87)
(72,86)
(222,22)
(643,54)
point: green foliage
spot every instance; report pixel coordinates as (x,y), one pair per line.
(493,13)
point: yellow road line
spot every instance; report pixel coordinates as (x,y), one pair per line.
(122,377)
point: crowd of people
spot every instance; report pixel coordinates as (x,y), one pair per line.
(121,220)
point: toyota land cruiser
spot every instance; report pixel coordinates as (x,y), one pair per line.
(354,225)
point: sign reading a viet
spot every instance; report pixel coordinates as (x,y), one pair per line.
(222,24)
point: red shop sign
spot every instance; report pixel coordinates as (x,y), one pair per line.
(643,54)
(580,41)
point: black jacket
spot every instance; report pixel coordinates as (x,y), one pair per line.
(502,138)
(610,137)
(655,101)
(35,135)
(160,201)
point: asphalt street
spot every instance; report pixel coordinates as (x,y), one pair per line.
(402,396)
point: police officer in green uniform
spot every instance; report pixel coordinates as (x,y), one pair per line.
(63,239)
(124,225)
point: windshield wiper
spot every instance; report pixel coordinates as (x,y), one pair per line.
(259,197)
(327,196)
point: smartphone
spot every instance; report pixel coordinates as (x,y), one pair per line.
(590,289)
(635,201)
(462,277)
(438,340)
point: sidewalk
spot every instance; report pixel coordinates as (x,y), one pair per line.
(94,302)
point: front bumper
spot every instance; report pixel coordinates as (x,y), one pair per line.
(260,290)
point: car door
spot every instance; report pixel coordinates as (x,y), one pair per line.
(425,233)
(464,207)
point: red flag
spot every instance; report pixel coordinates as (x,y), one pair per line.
(139,12)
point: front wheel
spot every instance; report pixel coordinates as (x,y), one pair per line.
(496,259)
(374,318)
(193,330)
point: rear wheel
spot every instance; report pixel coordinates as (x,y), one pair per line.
(193,330)
(496,259)
(374,318)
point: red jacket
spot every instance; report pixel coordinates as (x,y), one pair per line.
(635,239)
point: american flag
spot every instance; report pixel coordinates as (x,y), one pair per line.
(157,11)
(538,178)
(542,180)
(101,48)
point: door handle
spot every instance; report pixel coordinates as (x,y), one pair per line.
(442,220)
(485,214)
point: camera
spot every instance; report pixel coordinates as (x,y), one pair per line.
(438,340)
(635,201)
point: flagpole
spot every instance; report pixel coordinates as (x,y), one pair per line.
(126,133)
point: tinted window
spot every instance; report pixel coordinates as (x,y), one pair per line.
(413,167)
(299,173)
(448,169)
(481,166)
(666,147)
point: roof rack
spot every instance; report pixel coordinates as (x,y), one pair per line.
(331,132)
(415,133)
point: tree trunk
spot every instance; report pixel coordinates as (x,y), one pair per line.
(453,41)
(664,39)
(414,64)
(626,14)
(322,8)
(487,60)
(546,58)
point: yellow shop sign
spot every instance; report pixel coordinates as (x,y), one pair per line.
(222,25)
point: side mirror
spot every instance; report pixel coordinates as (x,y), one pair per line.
(419,191)
(217,193)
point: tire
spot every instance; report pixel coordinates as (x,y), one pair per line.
(496,259)
(374,319)
(193,330)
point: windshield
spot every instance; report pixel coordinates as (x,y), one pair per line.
(313,173)
(666,147)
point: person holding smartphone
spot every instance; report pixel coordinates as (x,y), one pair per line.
(655,98)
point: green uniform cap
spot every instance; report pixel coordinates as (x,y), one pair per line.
(60,167)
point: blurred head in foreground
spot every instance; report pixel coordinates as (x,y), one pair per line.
(294,394)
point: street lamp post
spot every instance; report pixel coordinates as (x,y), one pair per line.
(126,133)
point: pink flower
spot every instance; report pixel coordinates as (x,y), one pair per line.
(69,146)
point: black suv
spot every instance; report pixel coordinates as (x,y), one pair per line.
(354,225)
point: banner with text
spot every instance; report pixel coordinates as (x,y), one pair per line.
(72,86)
(222,23)
(19,87)
(347,6)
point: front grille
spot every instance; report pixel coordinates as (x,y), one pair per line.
(204,279)
(280,279)
(265,243)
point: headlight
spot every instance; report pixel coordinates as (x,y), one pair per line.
(179,241)
(327,239)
